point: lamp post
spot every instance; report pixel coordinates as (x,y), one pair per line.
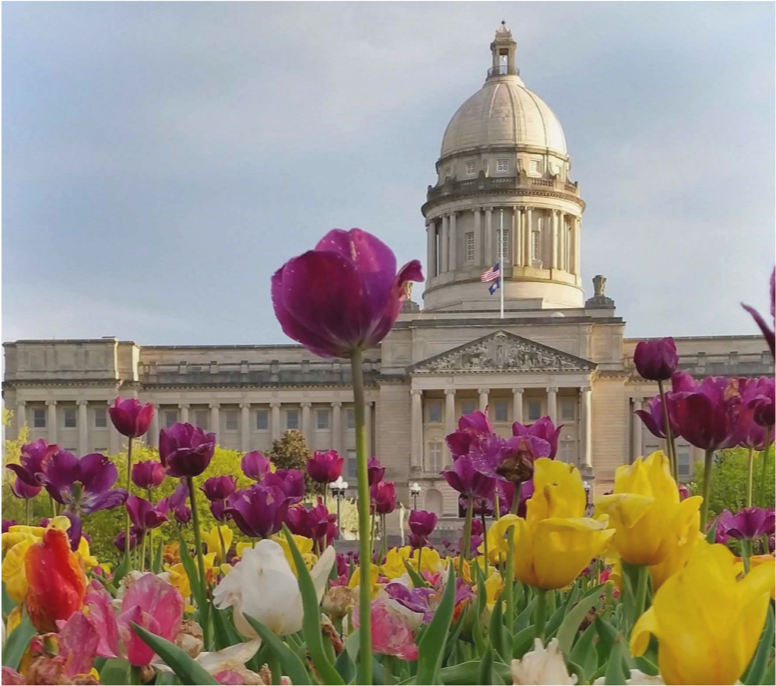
(415,492)
(338,489)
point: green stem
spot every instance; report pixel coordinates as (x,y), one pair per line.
(708,463)
(763,470)
(467,535)
(27,515)
(516,499)
(420,560)
(274,666)
(365,545)
(509,580)
(641,592)
(150,537)
(53,507)
(496,506)
(127,522)
(201,562)
(384,538)
(746,553)
(143,554)
(749,476)
(222,556)
(485,543)
(670,446)
(539,614)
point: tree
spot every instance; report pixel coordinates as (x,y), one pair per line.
(291,452)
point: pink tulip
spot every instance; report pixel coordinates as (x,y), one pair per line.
(392,633)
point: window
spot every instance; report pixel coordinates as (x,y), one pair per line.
(292,419)
(567,452)
(467,406)
(262,420)
(170,418)
(39,418)
(351,418)
(448,172)
(100,417)
(434,465)
(352,464)
(231,420)
(322,417)
(502,412)
(201,419)
(435,413)
(536,166)
(471,167)
(536,242)
(683,462)
(470,246)
(534,410)
(502,165)
(567,409)
(70,422)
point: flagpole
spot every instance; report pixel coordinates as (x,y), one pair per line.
(501,262)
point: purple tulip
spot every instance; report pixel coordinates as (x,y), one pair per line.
(421,600)
(135,537)
(314,522)
(22,489)
(290,481)
(759,396)
(542,428)
(219,487)
(511,459)
(657,359)
(148,475)
(751,523)
(375,471)
(130,417)
(722,523)
(472,428)
(255,465)
(418,541)
(342,296)
(44,522)
(383,495)
(768,330)
(176,503)
(185,450)
(422,522)
(143,514)
(7,524)
(259,511)
(82,485)
(653,418)
(325,467)
(506,495)
(31,460)
(468,481)
(684,492)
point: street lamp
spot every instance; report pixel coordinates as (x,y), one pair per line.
(415,492)
(338,489)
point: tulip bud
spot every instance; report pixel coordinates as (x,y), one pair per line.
(186,450)
(130,417)
(147,475)
(338,601)
(325,467)
(255,465)
(656,360)
(219,487)
(375,471)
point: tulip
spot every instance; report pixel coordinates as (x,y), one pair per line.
(21,489)
(312,523)
(83,486)
(31,459)
(768,330)
(375,471)
(7,524)
(130,417)
(764,404)
(516,457)
(219,487)
(148,475)
(542,428)
(646,512)
(751,523)
(468,481)
(255,465)
(55,581)
(654,418)
(263,586)
(176,503)
(338,601)
(258,511)
(707,622)
(472,428)
(343,295)
(143,514)
(185,450)
(325,467)
(422,522)
(135,537)
(677,555)
(542,666)
(393,629)
(383,497)
(657,359)
(290,481)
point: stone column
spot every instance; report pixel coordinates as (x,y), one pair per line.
(552,404)
(489,236)
(562,240)
(554,241)
(444,245)
(245,427)
(515,259)
(184,408)
(449,419)
(636,430)
(153,432)
(276,432)
(416,428)
(586,421)
(517,405)
(453,239)
(527,228)
(83,426)
(577,244)
(51,421)
(483,399)
(215,418)
(336,426)
(477,235)
(306,421)
(431,250)
(113,435)
(21,416)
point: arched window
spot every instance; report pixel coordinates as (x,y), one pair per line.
(433,501)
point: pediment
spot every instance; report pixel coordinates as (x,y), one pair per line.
(503,351)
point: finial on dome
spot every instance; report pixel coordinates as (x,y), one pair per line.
(503,28)
(503,51)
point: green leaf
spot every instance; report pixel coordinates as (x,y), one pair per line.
(468,673)
(185,668)
(606,637)
(417,580)
(615,674)
(17,642)
(554,623)
(311,623)
(583,653)
(345,666)
(432,646)
(477,635)
(115,672)
(711,534)
(524,618)
(575,669)
(486,668)
(8,604)
(156,565)
(225,633)
(121,571)
(522,642)
(570,625)
(759,665)
(498,634)
(191,571)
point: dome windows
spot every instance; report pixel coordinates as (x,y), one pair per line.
(471,168)
(535,166)
(502,165)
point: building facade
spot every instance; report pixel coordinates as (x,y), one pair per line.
(503,194)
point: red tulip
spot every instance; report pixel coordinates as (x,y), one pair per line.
(325,467)
(131,418)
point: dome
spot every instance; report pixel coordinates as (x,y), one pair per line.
(504,112)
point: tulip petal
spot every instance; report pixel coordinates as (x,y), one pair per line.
(646,625)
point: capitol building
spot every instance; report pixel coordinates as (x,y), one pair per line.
(503,192)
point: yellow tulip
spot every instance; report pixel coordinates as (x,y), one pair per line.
(213,541)
(430,560)
(498,545)
(303,544)
(645,511)
(178,577)
(14,619)
(374,573)
(707,622)
(678,554)
(13,571)
(756,561)
(240,548)
(393,567)
(494,585)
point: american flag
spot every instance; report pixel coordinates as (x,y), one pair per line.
(490,274)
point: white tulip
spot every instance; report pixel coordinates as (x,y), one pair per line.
(637,677)
(263,586)
(542,666)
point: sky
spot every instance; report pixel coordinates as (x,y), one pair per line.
(161,160)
